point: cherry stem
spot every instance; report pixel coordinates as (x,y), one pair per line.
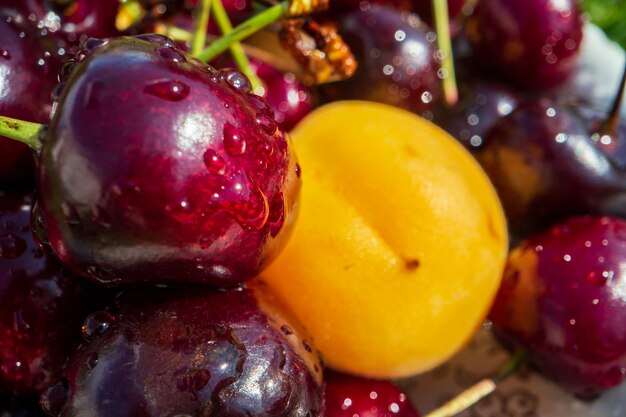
(236,50)
(611,124)
(480,390)
(21,131)
(244,30)
(444,42)
(201,24)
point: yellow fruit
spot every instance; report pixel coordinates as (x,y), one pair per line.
(400,243)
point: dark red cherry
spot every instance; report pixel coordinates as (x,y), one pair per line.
(289,99)
(28,70)
(396,56)
(195,352)
(425,11)
(480,106)
(353,5)
(563,299)
(174,172)
(41,304)
(533,44)
(351,396)
(73,20)
(546,166)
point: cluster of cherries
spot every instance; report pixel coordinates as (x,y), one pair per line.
(156,168)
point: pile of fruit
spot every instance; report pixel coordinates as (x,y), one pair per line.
(195,226)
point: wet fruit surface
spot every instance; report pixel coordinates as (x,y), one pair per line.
(186,179)
(27,77)
(541,155)
(563,299)
(533,44)
(349,396)
(41,304)
(367,281)
(193,352)
(396,56)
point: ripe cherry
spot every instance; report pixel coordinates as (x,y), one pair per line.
(174,172)
(563,300)
(289,98)
(28,68)
(533,44)
(195,352)
(351,396)
(42,305)
(396,57)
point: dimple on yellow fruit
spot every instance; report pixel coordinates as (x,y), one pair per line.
(400,244)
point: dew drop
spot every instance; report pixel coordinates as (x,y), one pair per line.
(92,360)
(5,54)
(234,143)
(169,90)
(214,163)
(287,331)
(11,246)
(614,376)
(53,400)
(261,105)
(170,54)
(307,346)
(57,92)
(102,275)
(298,171)
(266,123)
(158,40)
(96,325)
(92,44)
(237,80)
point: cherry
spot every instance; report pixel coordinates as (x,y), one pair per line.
(184,178)
(74,20)
(351,396)
(353,5)
(546,166)
(481,105)
(193,352)
(289,98)
(533,44)
(424,10)
(563,299)
(41,304)
(28,68)
(396,57)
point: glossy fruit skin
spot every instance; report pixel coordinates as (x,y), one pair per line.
(353,5)
(396,57)
(533,44)
(481,105)
(73,22)
(394,183)
(42,305)
(289,98)
(28,66)
(194,352)
(350,396)
(541,156)
(186,179)
(562,299)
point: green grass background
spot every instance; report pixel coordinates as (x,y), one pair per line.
(610,15)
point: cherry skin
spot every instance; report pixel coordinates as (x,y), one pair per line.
(289,98)
(563,300)
(396,57)
(481,105)
(192,352)
(533,44)
(353,5)
(184,178)
(28,68)
(546,167)
(42,305)
(351,396)
(425,11)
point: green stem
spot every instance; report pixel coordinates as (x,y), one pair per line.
(244,30)
(611,124)
(236,50)
(444,41)
(200,26)
(480,390)
(21,131)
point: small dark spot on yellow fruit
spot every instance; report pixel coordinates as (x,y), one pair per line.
(411,264)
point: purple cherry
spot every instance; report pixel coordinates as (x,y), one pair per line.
(563,299)
(196,352)
(42,305)
(173,172)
